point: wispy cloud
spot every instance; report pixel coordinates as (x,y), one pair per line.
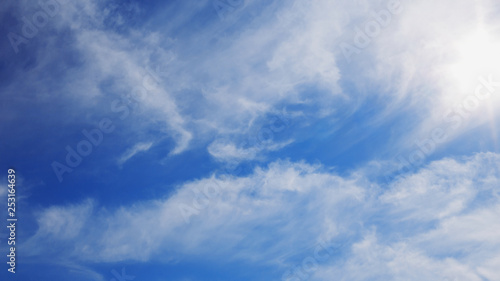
(131,152)
(388,230)
(271,79)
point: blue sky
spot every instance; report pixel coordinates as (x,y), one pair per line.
(251,139)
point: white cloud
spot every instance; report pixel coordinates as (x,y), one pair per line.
(131,152)
(430,60)
(372,260)
(220,85)
(284,197)
(440,222)
(229,79)
(218,80)
(229,152)
(437,224)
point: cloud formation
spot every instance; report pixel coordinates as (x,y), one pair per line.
(269,81)
(440,221)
